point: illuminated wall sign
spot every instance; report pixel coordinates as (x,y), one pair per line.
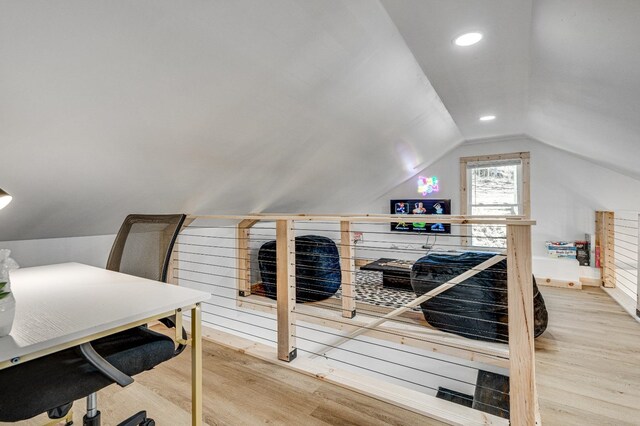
(427,185)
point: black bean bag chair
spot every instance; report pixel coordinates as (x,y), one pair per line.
(477,307)
(318,275)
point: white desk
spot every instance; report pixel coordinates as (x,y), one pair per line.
(61,306)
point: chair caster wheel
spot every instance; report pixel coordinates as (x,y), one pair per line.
(148,422)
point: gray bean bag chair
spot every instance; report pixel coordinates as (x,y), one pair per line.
(477,307)
(318,274)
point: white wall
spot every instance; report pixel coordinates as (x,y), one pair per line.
(88,250)
(565,189)
(565,192)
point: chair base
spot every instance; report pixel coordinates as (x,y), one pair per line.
(138,419)
(67,419)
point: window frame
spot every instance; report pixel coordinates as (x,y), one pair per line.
(524,187)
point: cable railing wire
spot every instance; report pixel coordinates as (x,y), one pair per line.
(338,321)
(616,259)
(377,314)
(396,378)
(377,344)
(398,333)
(398,364)
(359,353)
(240,331)
(407,248)
(324,292)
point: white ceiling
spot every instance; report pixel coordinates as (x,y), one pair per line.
(487,78)
(112,107)
(564,72)
(585,79)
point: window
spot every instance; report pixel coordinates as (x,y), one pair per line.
(494,185)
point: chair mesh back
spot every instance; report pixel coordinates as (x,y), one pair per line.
(143,245)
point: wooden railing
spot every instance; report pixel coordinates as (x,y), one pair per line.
(618,254)
(351,318)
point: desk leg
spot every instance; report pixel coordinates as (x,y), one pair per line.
(196,367)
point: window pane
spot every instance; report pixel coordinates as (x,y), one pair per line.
(494,185)
(489,236)
(494,191)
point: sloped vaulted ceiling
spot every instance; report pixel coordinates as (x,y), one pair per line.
(487,78)
(585,79)
(112,107)
(564,72)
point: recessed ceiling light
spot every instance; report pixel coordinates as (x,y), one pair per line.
(468,39)
(487,117)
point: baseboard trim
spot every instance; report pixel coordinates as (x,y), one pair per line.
(551,282)
(591,282)
(577,285)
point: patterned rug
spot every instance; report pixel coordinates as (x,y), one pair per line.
(369,289)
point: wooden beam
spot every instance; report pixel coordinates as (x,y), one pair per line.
(196,366)
(521,348)
(243,256)
(347,266)
(552,282)
(496,157)
(373,218)
(598,241)
(605,244)
(526,186)
(590,282)
(464,203)
(286,289)
(610,244)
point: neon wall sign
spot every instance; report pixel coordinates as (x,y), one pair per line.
(428,185)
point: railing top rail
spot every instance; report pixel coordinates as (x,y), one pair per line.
(380,218)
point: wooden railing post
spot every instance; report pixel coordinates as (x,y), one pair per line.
(638,273)
(605,243)
(286,289)
(347,266)
(243,259)
(522,393)
(610,254)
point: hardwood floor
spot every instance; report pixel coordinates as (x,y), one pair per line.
(588,371)
(588,360)
(242,390)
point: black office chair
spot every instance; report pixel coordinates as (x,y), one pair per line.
(50,384)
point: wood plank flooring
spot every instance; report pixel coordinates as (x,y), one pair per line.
(588,360)
(588,370)
(241,390)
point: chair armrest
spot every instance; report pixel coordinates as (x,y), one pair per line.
(103,366)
